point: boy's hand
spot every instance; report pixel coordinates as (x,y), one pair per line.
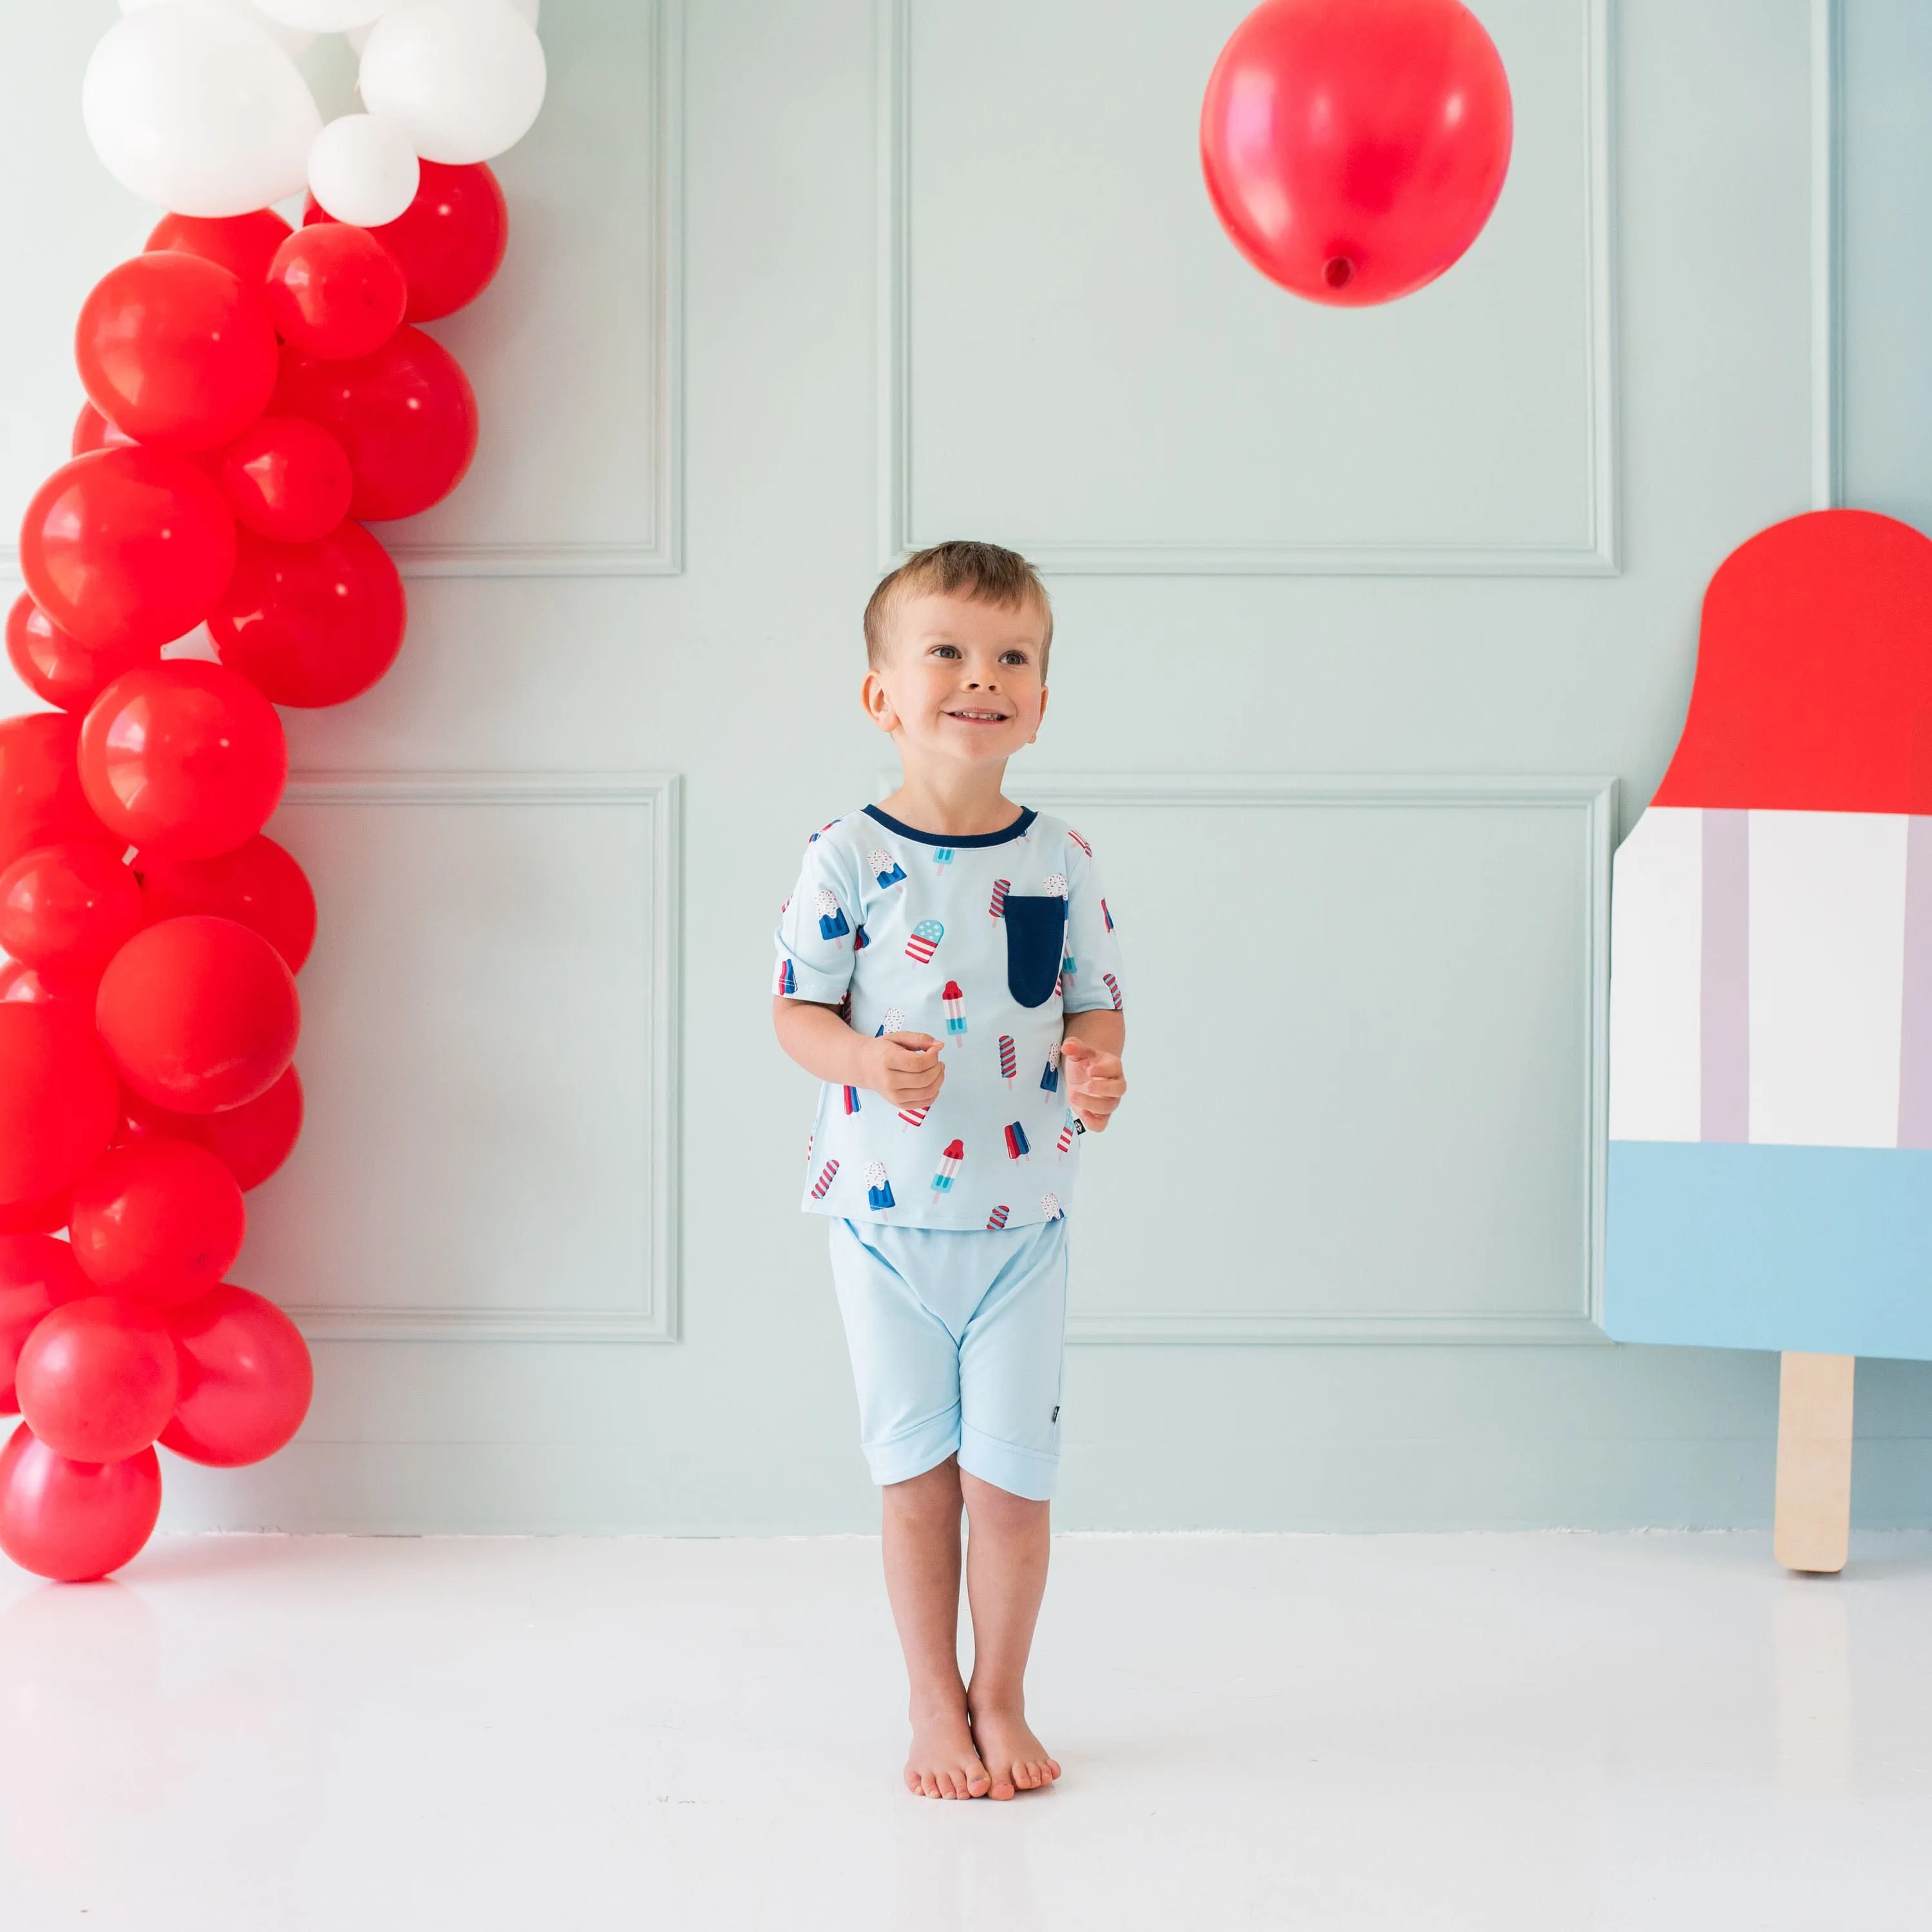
(905,1069)
(1095,1083)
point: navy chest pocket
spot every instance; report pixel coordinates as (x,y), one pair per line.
(1035,927)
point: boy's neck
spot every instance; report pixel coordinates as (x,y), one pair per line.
(958,801)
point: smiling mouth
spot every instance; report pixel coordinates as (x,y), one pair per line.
(981,717)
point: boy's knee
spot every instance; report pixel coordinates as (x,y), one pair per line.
(989,1502)
(937,1488)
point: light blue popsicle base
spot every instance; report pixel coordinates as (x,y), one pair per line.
(1715,1244)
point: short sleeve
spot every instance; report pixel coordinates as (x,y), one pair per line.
(1092,983)
(816,926)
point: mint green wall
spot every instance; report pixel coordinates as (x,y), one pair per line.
(1383,601)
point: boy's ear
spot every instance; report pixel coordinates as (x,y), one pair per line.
(877,701)
(1042,719)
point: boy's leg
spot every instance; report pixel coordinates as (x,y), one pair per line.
(1006,1577)
(921,1522)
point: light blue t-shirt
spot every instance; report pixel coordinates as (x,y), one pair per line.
(986,943)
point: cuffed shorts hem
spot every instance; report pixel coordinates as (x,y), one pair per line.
(921,1448)
(1020,1472)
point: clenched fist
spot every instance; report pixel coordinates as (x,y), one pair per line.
(905,1068)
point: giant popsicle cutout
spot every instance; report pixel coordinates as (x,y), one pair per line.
(1771,994)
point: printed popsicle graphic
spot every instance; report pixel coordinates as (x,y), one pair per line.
(878,1188)
(851,1099)
(955,1007)
(942,855)
(1113,987)
(1106,915)
(1054,886)
(1008,1065)
(949,1167)
(788,978)
(1080,842)
(885,869)
(925,941)
(827,1174)
(1049,1081)
(831,916)
(1000,889)
(1017,1148)
(996,1219)
(915,1117)
(1049,1206)
(860,939)
(1066,1139)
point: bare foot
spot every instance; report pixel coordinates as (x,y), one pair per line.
(1015,1758)
(942,1762)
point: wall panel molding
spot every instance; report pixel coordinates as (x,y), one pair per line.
(1600,556)
(1592,802)
(654,1316)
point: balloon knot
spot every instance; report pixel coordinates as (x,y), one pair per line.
(1338,272)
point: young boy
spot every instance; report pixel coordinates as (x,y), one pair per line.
(947,967)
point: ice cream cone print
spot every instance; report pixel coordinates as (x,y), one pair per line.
(827,1174)
(878,1188)
(1000,889)
(1008,1065)
(1017,1147)
(915,1117)
(851,1099)
(1066,1132)
(949,1168)
(1049,1206)
(996,1219)
(925,941)
(885,869)
(955,1008)
(831,916)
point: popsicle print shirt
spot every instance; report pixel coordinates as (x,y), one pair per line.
(984,943)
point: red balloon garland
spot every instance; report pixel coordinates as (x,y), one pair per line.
(148,1014)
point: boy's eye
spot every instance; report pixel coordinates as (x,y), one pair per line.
(946,650)
(1013,657)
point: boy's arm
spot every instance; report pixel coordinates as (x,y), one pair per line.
(1090,1048)
(904,1067)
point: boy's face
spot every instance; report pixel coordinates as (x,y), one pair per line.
(961,681)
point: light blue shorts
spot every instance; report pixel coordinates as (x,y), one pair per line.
(958,1341)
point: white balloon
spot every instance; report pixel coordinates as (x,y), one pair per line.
(358,37)
(463,79)
(290,40)
(192,107)
(363,170)
(323,17)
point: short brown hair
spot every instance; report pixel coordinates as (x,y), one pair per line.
(983,573)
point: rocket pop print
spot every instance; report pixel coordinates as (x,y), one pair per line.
(1009,1066)
(885,869)
(1080,842)
(1106,915)
(1000,889)
(955,1008)
(1017,1147)
(827,1174)
(1113,987)
(788,978)
(997,1219)
(878,1188)
(925,941)
(831,916)
(915,1117)
(860,939)
(949,1168)
(1066,1139)
(851,1099)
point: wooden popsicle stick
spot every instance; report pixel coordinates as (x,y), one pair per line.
(1812,1527)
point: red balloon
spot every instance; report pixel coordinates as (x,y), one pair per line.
(286,478)
(176,350)
(196,1014)
(59,668)
(41,802)
(36,1274)
(92,430)
(59,1106)
(450,239)
(97,1378)
(74,904)
(43,1216)
(159,1220)
(259,885)
(335,291)
(246,1379)
(253,1139)
(128,547)
(183,758)
(310,624)
(74,1522)
(1353,149)
(244,244)
(406,415)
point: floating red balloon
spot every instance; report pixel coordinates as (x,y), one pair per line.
(286,478)
(74,1522)
(244,244)
(259,885)
(158,1220)
(1353,149)
(59,1105)
(406,415)
(310,624)
(197,1014)
(92,430)
(46,1216)
(59,668)
(176,350)
(36,1274)
(41,801)
(253,1140)
(183,758)
(336,292)
(450,239)
(246,1379)
(126,546)
(97,1378)
(74,905)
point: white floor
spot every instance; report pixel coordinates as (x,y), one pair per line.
(271,1735)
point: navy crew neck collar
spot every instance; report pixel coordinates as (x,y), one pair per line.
(961,841)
